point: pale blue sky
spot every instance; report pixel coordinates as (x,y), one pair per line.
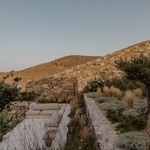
(38,31)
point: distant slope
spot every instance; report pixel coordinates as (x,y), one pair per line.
(48,69)
(104,67)
(85,68)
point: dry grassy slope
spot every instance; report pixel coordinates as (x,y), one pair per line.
(104,67)
(48,69)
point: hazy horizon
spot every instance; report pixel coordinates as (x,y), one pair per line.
(35,32)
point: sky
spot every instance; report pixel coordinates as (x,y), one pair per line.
(38,31)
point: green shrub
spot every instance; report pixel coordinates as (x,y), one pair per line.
(6,123)
(123,84)
(115,115)
(8,94)
(97,83)
(133,141)
(112,104)
(132,124)
(28,96)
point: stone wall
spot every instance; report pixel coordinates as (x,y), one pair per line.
(105,134)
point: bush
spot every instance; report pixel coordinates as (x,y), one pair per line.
(138,123)
(99,92)
(138,92)
(28,96)
(8,94)
(129,98)
(97,83)
(133,141)
(123,84)
(106,91)
(6,123)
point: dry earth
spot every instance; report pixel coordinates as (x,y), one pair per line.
(46,70)
(85,68)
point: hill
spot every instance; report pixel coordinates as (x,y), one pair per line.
(104,67)
(85,68)
(46,70)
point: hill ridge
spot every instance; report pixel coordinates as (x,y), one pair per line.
(89,67)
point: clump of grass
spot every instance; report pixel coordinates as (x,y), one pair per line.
(99,92)
(129,98)
(77,113)
(74,106)
(112,91)
(82,121)
(118,93)
(106,91)
(138,92)
(85,133)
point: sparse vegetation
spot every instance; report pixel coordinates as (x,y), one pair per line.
(80,134)
(106,90)
(92,86)
(138,69)
(99,92)
(129,98)
(138,92)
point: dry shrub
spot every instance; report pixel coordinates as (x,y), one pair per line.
(112,91)
(118,93)
(138,92)
(74,106)
(82,121)
(106,90)
(115,92)
(129,98)
(85,133)
(99,92)
(77,113)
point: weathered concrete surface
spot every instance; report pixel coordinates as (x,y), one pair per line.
(28,135)
(106,135)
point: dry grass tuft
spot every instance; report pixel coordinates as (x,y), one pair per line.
(82,121)
(118,93)
(99,92)
(77,113)
(74,106)
(112,91)
(106,90)
(115,92)
(129,98)
(85,133)
(138,92)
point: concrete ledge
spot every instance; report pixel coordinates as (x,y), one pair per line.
(106,135)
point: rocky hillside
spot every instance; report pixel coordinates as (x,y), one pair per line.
(104,67)
(85,69)
(46,70)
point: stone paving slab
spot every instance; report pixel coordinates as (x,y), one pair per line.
(106,135)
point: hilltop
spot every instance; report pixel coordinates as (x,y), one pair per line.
(46,70)
(85,68)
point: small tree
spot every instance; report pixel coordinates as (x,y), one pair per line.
(8,93)
(137,69)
